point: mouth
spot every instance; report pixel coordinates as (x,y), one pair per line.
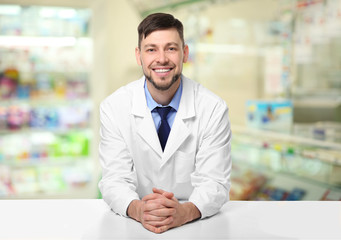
(162,71)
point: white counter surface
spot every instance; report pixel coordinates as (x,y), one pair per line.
(92,219)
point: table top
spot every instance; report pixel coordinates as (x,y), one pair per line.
(93,219)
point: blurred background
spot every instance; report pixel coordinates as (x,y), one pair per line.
(276,63)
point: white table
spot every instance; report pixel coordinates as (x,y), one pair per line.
(92,219)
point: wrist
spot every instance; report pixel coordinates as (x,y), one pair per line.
(134,210)
(192,212)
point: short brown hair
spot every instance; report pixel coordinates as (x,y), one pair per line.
(159,21)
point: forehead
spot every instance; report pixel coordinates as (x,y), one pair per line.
(161,37)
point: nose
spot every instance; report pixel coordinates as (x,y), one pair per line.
(162,57)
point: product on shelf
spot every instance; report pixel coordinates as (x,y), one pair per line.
(76,177)
(74,145)
(44,179)
(335,175)
(326,131)
(270,115)
(44,148)
(245,183)
(50,179)
(5,181)
(3,117)
(14,117)
(24,180)
(330,195)
(259,154)
(43,85)
(8,83)
(18,116)
(44,117)
(275,154)
(279,194)
(74,116)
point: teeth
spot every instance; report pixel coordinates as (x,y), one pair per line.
(162,70)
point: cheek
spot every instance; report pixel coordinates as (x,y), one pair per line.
(145,67)
(146,61)
(180,60)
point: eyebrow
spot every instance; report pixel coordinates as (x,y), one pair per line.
(154,45)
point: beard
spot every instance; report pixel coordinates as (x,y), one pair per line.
(163,87)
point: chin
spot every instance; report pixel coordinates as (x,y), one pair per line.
(162,87)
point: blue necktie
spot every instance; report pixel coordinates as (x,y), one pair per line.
(164,128)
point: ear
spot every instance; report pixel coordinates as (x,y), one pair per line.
(186,52)
(138,56)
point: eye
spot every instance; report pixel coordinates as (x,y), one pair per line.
(150,50)
(172,49)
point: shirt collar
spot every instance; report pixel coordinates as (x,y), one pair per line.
(174,103)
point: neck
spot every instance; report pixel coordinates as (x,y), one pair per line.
(163,97)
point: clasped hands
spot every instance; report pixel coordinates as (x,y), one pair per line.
(160,211)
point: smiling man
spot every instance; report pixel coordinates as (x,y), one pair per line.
(161,55)
(165,139)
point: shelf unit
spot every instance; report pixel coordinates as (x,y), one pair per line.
(31,157)
(288,161)
(46,133)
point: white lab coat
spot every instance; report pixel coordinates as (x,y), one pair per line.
(195,164)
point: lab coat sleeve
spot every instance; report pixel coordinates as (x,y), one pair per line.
(211,178)
(119,181)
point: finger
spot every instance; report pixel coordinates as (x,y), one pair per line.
(151,228)
(152,196)
(158,204)
(157,190)
(162,229)
(152,205)
(147,217)
(160,199)
(165,202)
(175,199)
(154,229)
(167,221)
(163,212)
(168,195)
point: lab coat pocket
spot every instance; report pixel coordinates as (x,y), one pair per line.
(184,166)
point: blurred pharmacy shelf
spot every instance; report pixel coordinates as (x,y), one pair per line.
(74,193)
(289,138)
(46,128)
(280,166)
(147,7)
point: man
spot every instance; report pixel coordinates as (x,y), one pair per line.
(165,139)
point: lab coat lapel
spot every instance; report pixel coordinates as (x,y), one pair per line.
(145,127)
(180,130)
